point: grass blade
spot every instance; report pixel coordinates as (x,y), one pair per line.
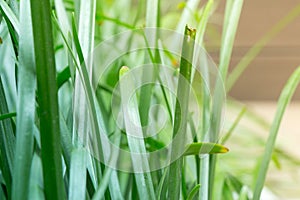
(181,110)
(204,148)
(283,101)
(7,115)
(77,175)
(232,15)
(193,192)
(10,16)
(7,142)
(36,179)
(231,19)
(47,99)
(137,145)
(25,105)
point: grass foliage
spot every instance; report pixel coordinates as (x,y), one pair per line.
(54,109)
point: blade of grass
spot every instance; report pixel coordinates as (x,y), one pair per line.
(47,99)
(204,148)
(10,15)
(259,45)
(139,162)
(7,115)
(181,110)
(77,180)
(203,166)
(25,121)
(284,99)
(108,178)
(7,143)
(231,19)
(193,192)
(36,179)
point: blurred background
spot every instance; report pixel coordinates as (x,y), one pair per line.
(261,83)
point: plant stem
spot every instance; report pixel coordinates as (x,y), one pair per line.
(181,111)
(47,99)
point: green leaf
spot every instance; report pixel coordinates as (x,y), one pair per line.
(10,15)
(36,190)
(193,192)
(77,180)
(63,76)
(143,180)
(284,99)
(204,148)
(7,142)
(25,105)
(181,110)
(47,99)
(7,115)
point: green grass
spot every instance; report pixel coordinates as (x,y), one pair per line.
(56,114)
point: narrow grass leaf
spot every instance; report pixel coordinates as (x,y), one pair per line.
(231,19)
(36,190)
(193,192)
(25,121)
(7,115)
(47,99)
(181,110)
(7,143)
(10,16)
(284,99)
(139,162)
(77,182)
(204,148)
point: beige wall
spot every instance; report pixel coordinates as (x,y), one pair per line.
(267,74)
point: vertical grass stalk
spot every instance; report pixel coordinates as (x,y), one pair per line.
(181,111)
(47,99)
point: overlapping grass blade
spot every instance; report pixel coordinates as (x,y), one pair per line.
(25,105)
(36,179)
(77,187)
(47,99)
(283,101)
(231,19)
(140,162)
(181,111)
(7,143)
(193,192)
(11,17)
